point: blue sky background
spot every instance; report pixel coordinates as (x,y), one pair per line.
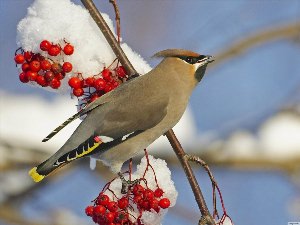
(238,94)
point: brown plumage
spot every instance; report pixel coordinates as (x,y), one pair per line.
(132,116)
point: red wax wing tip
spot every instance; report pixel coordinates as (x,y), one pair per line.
(97,139)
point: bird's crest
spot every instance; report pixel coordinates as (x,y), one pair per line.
(175,52)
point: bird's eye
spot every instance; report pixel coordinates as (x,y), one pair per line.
(189,60)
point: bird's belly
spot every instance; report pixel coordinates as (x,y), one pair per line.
(116,156)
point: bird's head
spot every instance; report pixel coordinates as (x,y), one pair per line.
(190,64)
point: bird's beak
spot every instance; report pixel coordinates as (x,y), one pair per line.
(210,59)
(207,59)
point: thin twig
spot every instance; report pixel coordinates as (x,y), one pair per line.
(118,18)
(95,14)
(183,158)
(213,181)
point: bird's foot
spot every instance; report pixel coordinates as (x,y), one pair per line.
(126,184)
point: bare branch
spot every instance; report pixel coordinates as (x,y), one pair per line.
(118,18)
(289,31)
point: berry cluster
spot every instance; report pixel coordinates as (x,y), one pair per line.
(42,70)
(128,208)
(146,199)
(97,85)
(46,70)
(107,212)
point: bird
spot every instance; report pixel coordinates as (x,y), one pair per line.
(125,121)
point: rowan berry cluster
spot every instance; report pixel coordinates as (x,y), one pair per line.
(41,69)
(116,212)
(128,208)
(97,85)
(46,70)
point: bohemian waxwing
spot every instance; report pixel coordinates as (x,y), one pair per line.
(125,121)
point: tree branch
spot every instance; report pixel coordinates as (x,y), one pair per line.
(206,217)
(90,6)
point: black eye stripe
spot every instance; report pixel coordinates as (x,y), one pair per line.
(191,59)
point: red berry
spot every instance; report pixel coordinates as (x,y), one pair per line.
(78,92)
(68,49)
(121,72)
(37,57)
(115,84)
(49,75)
(35,66)
(25,67)
(45,45)
(89,210)
(67,67)
(60,76)
(54,50)
(56,68)
(55,83)
(89,81)
(123,203)
(31,75)
(19,59)
(100,84)
(74,82)
(154,204)
(108,88)
(96,219)
(45,65)
(93,97)
(138,199)
(99,210)
(106,74)
(138,189)
(158,193)
(148,194)
(102,199)
(110,216)
(164,203)
(28,55)
(145,205)
(112,206)
(23,77)
(41,81)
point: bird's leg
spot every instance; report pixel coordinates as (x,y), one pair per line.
(126,184)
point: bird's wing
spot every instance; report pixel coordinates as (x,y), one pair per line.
(116,129)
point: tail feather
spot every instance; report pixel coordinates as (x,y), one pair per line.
(88,147)
(60,127)
(36,177)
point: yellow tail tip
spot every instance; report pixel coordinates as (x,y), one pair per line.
(35,175)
